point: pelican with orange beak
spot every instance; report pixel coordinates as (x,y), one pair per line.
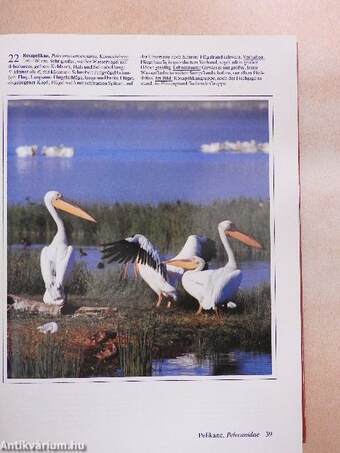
(214,287)
(57,259)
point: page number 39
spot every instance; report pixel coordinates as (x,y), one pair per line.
(269,434)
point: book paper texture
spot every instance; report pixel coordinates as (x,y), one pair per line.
(150,244)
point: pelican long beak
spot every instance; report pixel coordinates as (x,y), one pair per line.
(72,209)
(184,264)
(248,240)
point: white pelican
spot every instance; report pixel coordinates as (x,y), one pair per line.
(213,287)
(57,151)
(56,260)
(161,278)
(251,146)
(26,150)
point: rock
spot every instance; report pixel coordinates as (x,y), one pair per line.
(18,303)
(92,311)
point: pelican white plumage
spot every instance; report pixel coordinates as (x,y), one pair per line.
(213,287)
(26,150)
(56,260)
(57,151)
(161,278)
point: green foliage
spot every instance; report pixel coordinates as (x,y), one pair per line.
(167,225)
(39,356)
(251,328)
(247,327)
(144,334)
(24,274)
(81,280)
(110,282)
(136,351)
(255,306)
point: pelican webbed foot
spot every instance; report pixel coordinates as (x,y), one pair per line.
(171,299)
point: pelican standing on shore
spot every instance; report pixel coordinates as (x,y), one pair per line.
(213,287)
(57,259)
(160,277)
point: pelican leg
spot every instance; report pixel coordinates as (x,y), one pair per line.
(169,303)
(125,270)
(200,308)
(217,313)
(136,271)
(159,300)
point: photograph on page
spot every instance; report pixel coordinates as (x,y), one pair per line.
(150,247)
(139,238)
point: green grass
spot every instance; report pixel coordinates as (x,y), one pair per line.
(137,352)
(135,300)
(24,274)
(148,333)
(33,355)
(24,277)
(167,225)
(145,334)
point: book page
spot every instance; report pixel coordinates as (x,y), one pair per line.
(150,244)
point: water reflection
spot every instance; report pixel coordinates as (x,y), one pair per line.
(199,178)
(233,363)
(25,166)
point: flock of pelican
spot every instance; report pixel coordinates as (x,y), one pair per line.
(210,287)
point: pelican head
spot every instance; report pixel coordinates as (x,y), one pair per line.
(55,199)
(229,229)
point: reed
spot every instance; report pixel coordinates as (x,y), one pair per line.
(34,355)
(255,308)
(110,282)
(137,348)
(24,274)
(144,334)
(167,225)
(24,278)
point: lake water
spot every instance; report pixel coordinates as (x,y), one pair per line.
(230,363)
(137,152)
(140,176)
(255,272)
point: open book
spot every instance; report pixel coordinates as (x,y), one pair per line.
(150,253)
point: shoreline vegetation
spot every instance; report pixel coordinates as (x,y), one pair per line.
(142,334)
(167,225)
(139,333)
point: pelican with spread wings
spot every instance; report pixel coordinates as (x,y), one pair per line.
(213,287)
(161,278)
(57,259)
